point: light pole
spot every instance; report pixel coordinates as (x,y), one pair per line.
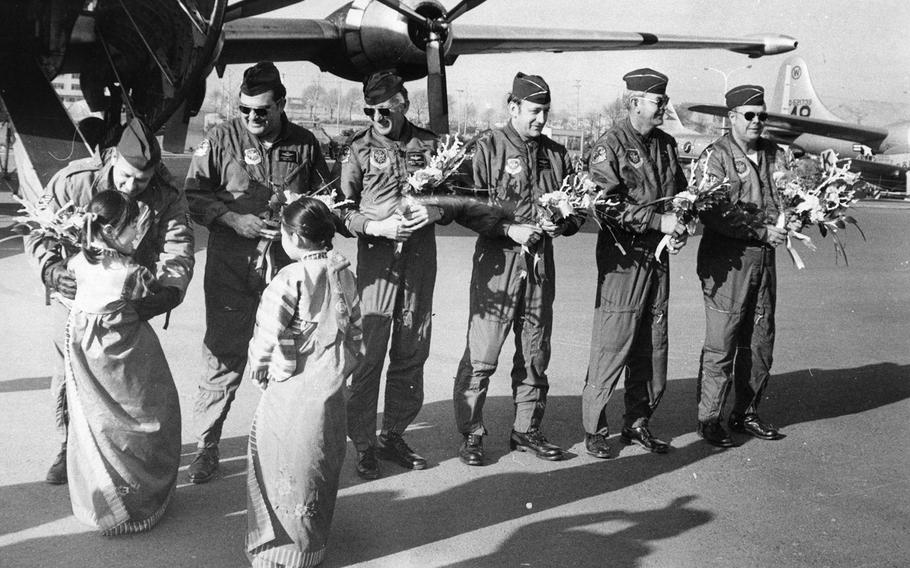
(726,75)
(577,102)
(463,121)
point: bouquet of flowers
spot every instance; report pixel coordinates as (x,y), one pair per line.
(64,225)
(448,157)
(819,198)
(697,197)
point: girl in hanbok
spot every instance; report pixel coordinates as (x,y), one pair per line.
(306,343)
(123,448)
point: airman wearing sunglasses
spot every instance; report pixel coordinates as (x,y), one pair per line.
(737,270)
(396,270)
(637,162)
(234,173)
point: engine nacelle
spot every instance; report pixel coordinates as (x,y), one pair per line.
(375,37)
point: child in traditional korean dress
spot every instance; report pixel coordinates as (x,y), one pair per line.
(123,447)
(306,343)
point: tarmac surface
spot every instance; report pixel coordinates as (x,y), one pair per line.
(834,492)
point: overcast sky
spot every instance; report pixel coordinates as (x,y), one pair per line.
(855,50)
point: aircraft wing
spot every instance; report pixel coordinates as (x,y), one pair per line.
(789,126)
(483,39)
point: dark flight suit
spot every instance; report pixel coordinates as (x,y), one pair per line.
(739,278)
(166,248)
(510,288)
(629,337)
(232,170)
(396,288)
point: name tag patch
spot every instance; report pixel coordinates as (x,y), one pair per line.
(292,156)
(416,160)
(543,163)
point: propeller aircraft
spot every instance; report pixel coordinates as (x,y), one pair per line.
(150,58)
(798,118)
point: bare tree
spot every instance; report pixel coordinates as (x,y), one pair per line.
(311,96)
(419,106)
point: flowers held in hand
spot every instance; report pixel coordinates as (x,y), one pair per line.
(448,157)
(696,198)
(65,225)
(817,193)
(578,195)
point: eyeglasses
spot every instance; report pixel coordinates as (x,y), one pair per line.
(259,112)
(385,112)
(660,102)
(762,116)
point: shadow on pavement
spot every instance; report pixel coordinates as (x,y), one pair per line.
(565,542)
(206,524)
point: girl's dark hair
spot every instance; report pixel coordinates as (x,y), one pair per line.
(107,208)
(310,218)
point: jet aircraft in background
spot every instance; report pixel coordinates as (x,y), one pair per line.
(798,118)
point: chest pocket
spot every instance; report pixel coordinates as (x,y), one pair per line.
(415,160)
(512,177)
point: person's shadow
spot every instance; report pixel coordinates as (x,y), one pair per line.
(206,524)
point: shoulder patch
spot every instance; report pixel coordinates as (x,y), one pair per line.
(599,154)
(379,158)
(251,156)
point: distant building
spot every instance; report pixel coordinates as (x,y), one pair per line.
(573,139)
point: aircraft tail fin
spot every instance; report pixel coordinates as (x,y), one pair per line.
(672,124)
(794,93)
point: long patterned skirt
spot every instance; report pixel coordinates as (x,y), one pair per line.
(123,447)
(296,450)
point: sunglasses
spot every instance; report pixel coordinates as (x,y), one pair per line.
(661,102)
(259,112)
(762,116)
(384,112)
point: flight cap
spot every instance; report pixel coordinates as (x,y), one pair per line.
(382,86)
(138,145)
(743,95)
(531,88)
(646,80)
(261,78)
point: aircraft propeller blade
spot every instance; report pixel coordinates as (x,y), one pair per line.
(247,8)
(437,94)
(461,8)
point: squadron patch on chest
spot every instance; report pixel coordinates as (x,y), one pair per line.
(292,156)
(633,157)
(513,166)
(600,154)
(203,148)
(741,167)
(416,159)
(379,158)
(252,157)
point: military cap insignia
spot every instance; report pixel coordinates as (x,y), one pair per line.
(379,158)
(633,157)
(251,156)
(600,154)
(203,148)
(513,166)
(740,166)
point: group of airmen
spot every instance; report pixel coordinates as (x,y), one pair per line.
(243,165)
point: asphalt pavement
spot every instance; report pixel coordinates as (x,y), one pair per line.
(835,492)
